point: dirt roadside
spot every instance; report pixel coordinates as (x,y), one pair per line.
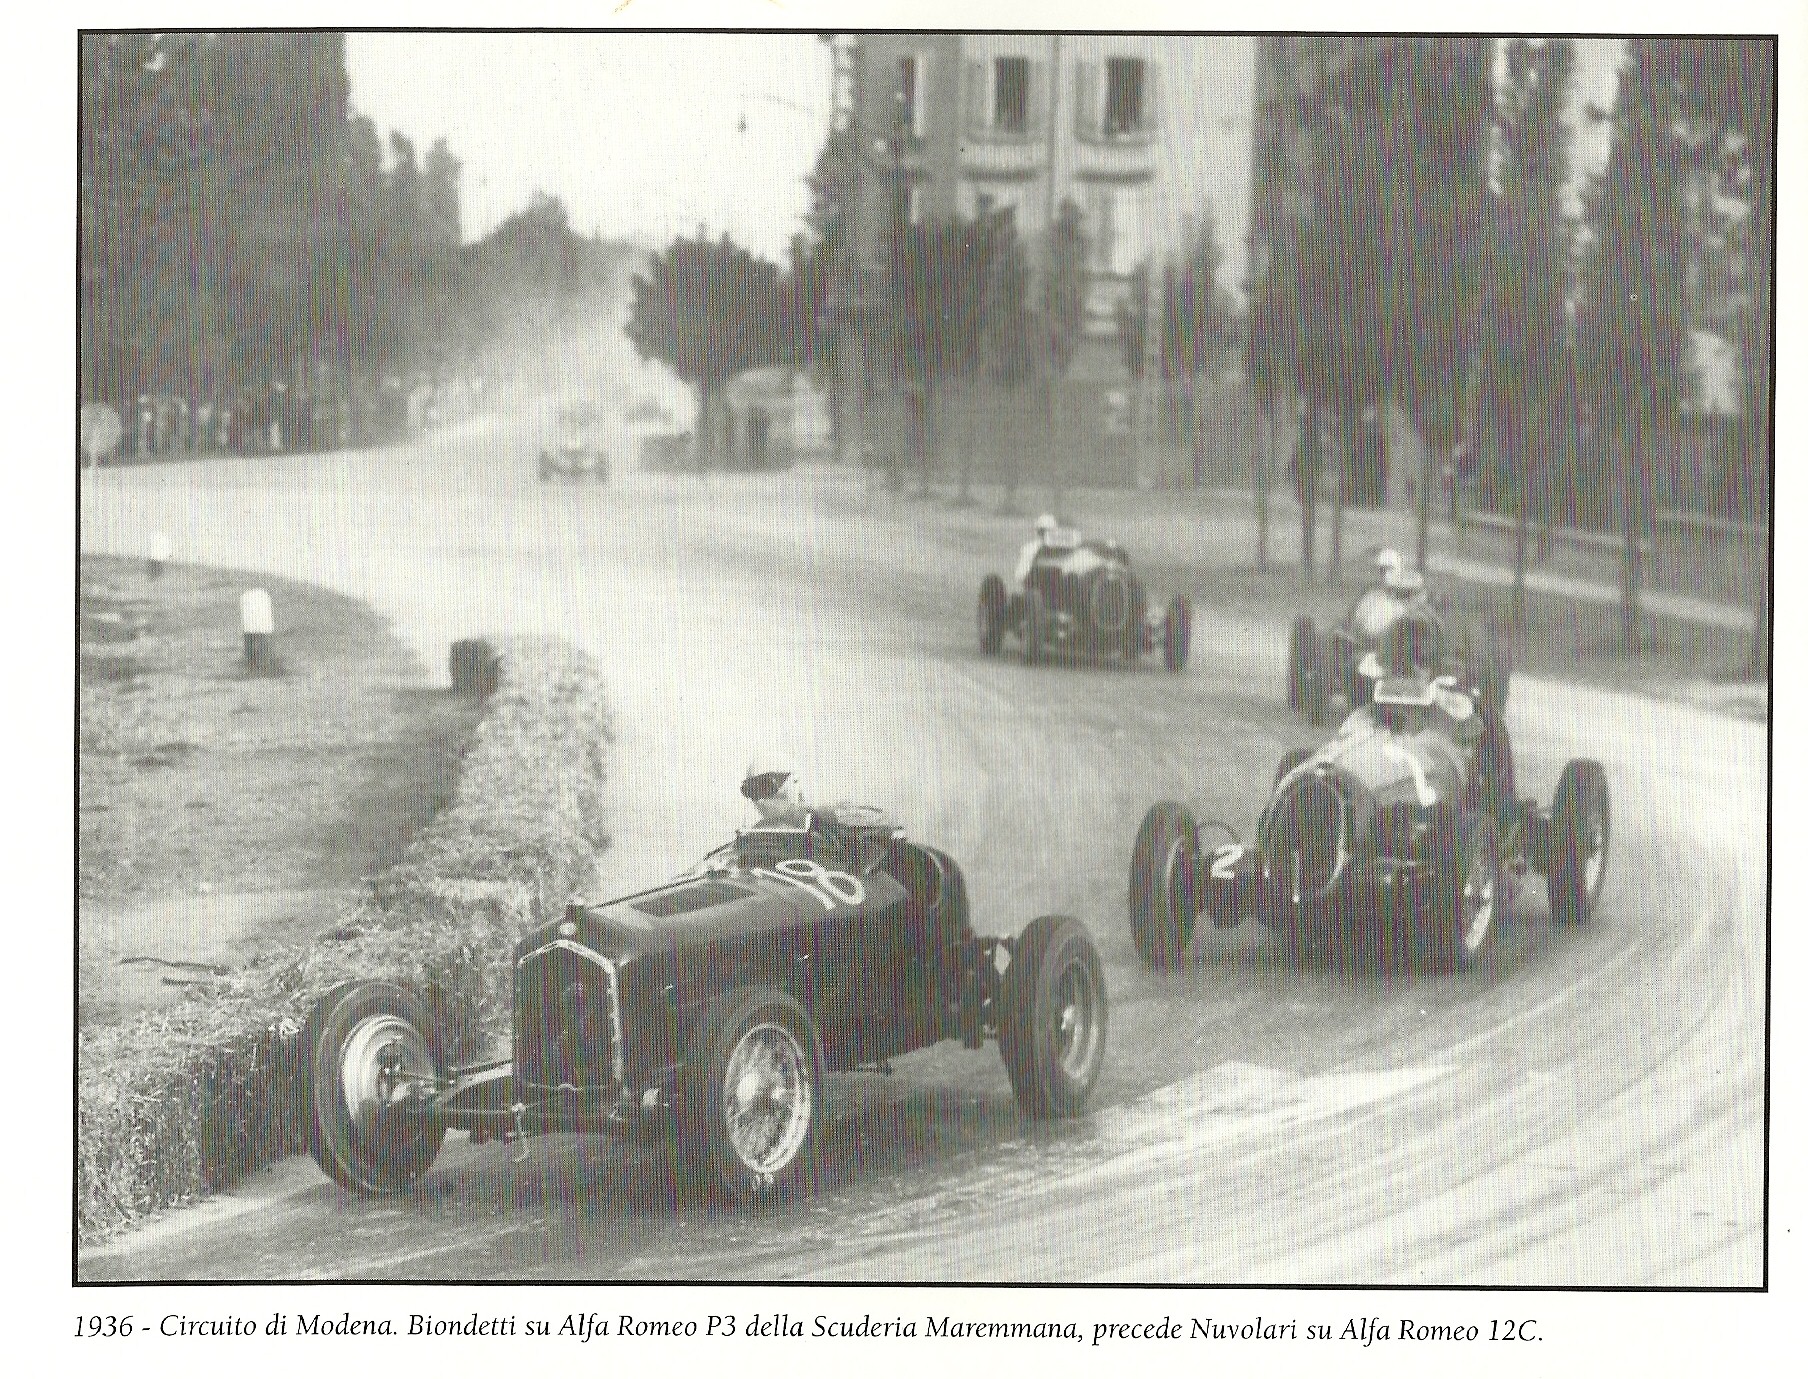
(222,812)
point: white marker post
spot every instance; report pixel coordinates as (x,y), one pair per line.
(259,623)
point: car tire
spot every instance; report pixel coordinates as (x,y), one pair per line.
(1164,872)
(355,1036)
(1469,894)
(992,605)
(1306,689)
(1052,1029)
(1580,829)
(1291,758)
(1035,615)
(751,1103)
(1177,634)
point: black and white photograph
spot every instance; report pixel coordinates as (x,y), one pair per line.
(1127,668)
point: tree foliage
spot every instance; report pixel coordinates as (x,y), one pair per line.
(238,225)
(709,309)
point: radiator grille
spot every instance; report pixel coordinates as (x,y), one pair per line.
(564,1020)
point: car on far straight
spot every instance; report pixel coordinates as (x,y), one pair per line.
(712,1007)
(1081,597)
(1406,823)
(575,449)
(1326,673)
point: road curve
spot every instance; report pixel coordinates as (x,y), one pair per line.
(1591,1112)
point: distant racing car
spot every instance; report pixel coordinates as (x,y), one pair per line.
(1326,671)
(1407,818)
(576,452)
(1082,597)
(716,1003)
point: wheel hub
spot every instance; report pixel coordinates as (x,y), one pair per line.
(767,1098)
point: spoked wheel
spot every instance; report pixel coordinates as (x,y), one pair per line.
(1466,916)
(371,1056)
(1177,634)
(1052,1030)
(1164,871)
(1581,826)
(992,604)
(752,1107)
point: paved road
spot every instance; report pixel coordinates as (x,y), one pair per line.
(1591,1113)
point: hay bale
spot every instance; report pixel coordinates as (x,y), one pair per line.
(186,1100)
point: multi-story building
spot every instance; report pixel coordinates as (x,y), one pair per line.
(958,124)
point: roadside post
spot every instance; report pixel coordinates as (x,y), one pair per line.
(160,554)
(259,624)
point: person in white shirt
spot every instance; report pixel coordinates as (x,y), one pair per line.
(1026,555)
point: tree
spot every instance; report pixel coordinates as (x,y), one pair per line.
(1434,149)
(1632,336)
(708,309)
(1195,324)
(1060,308)
(1729,87)
(937,321)
(1526,273)
(1007,325)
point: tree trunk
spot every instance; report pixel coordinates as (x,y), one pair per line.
(705,441)
(1428,476)
(1057,460)
(1631,571)
(1309,457)
(1197,434)
(1264,458)
(1346,433)
(966,401)
(1515,441)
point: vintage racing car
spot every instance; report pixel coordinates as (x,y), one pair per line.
(1082,597)
(1405,821)
(576,450)
(717,1002)
(1326,669)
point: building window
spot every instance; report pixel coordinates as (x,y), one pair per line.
(1011,94)
(1125,108)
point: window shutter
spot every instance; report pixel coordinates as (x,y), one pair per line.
(979,116)
(1086,100)
(1037,105)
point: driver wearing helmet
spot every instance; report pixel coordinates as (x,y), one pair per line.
(1027,553)
(778,795)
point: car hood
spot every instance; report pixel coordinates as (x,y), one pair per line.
(1420,763)
(715,908)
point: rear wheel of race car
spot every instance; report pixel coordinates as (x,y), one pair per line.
(1581,825)
(1035,626)
(1164,871)
(1469,896)
(752,1104)
(992,604)
(364,1049)
(1177,634)
(1306,690)
(1051,1031)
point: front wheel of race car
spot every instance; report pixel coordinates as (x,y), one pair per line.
(1051,1032)
(1177,633)
(1306,689)
(1581,824)
(370,1056)
(1035,626)
(752,1107)
(1467,904)
(1164,871)
(992,605)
